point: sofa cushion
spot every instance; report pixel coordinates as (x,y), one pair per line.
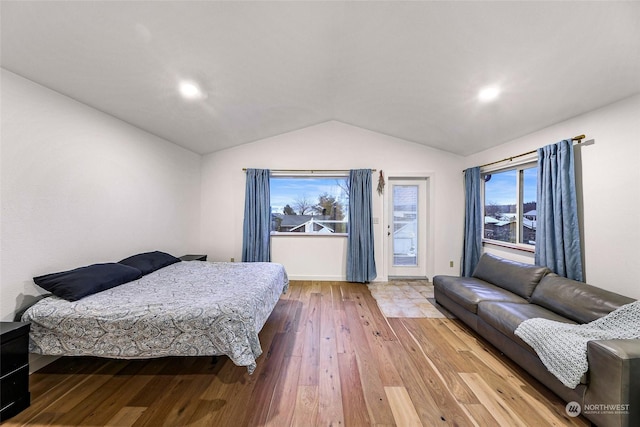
(507,316)
(514,276)
(469,291)
(576,300)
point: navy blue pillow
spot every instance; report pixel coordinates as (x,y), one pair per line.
(149,262)
(80,282)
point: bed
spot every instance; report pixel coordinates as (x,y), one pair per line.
(189,308)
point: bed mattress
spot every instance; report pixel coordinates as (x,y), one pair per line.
(186,309)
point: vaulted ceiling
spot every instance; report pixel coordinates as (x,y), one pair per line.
(407,69)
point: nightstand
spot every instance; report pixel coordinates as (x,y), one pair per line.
(14,368)
(193,258)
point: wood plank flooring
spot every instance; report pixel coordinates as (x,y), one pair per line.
(331,358)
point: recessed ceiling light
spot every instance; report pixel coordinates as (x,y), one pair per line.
(489,93)
(190,90)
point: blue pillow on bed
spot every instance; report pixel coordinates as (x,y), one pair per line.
(149,262)
(80,282)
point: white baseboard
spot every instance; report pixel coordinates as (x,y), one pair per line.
(330,278)
(319,278)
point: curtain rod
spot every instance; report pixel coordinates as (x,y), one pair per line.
(578,139)
(309,170)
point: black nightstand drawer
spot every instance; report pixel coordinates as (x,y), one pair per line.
(193,257)
(15,385)
(14,365)
(14,354)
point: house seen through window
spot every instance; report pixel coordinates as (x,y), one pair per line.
(510,205)
(309,204)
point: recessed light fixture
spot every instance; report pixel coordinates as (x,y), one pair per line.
(489,93)
(190,90)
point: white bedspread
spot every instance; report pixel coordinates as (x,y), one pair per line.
(186,309)
(562,347)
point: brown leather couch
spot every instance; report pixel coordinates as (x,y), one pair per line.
(503,293)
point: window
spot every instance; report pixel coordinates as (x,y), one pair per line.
(309,204)
(510,205)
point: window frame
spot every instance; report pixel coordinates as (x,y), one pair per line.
(519,168)
(306,175)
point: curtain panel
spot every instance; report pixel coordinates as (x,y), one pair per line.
(557,230)
(472,221)
(256,236)
(361,265)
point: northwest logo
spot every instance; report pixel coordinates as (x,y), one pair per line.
(573,409)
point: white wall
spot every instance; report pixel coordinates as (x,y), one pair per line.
(609,172)
(80,187)
(330,145)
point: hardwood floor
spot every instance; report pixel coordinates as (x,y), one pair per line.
(330,358)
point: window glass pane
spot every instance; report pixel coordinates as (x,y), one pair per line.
(500,199)
(311,205)
(405,225)
(529,194)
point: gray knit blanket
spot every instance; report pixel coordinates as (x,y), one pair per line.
(562,347)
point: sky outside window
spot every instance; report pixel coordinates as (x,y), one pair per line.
(288,190)
(501,188)
(530,177)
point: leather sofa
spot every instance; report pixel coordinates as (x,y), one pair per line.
(502,293)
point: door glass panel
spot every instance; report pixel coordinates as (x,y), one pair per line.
(405,225)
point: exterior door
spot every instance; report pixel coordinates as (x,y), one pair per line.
(407,227)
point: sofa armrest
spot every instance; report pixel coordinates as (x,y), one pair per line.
(614,370)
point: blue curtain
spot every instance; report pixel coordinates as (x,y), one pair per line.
(472,221)
(361,265)
(557,232)
(256,243)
